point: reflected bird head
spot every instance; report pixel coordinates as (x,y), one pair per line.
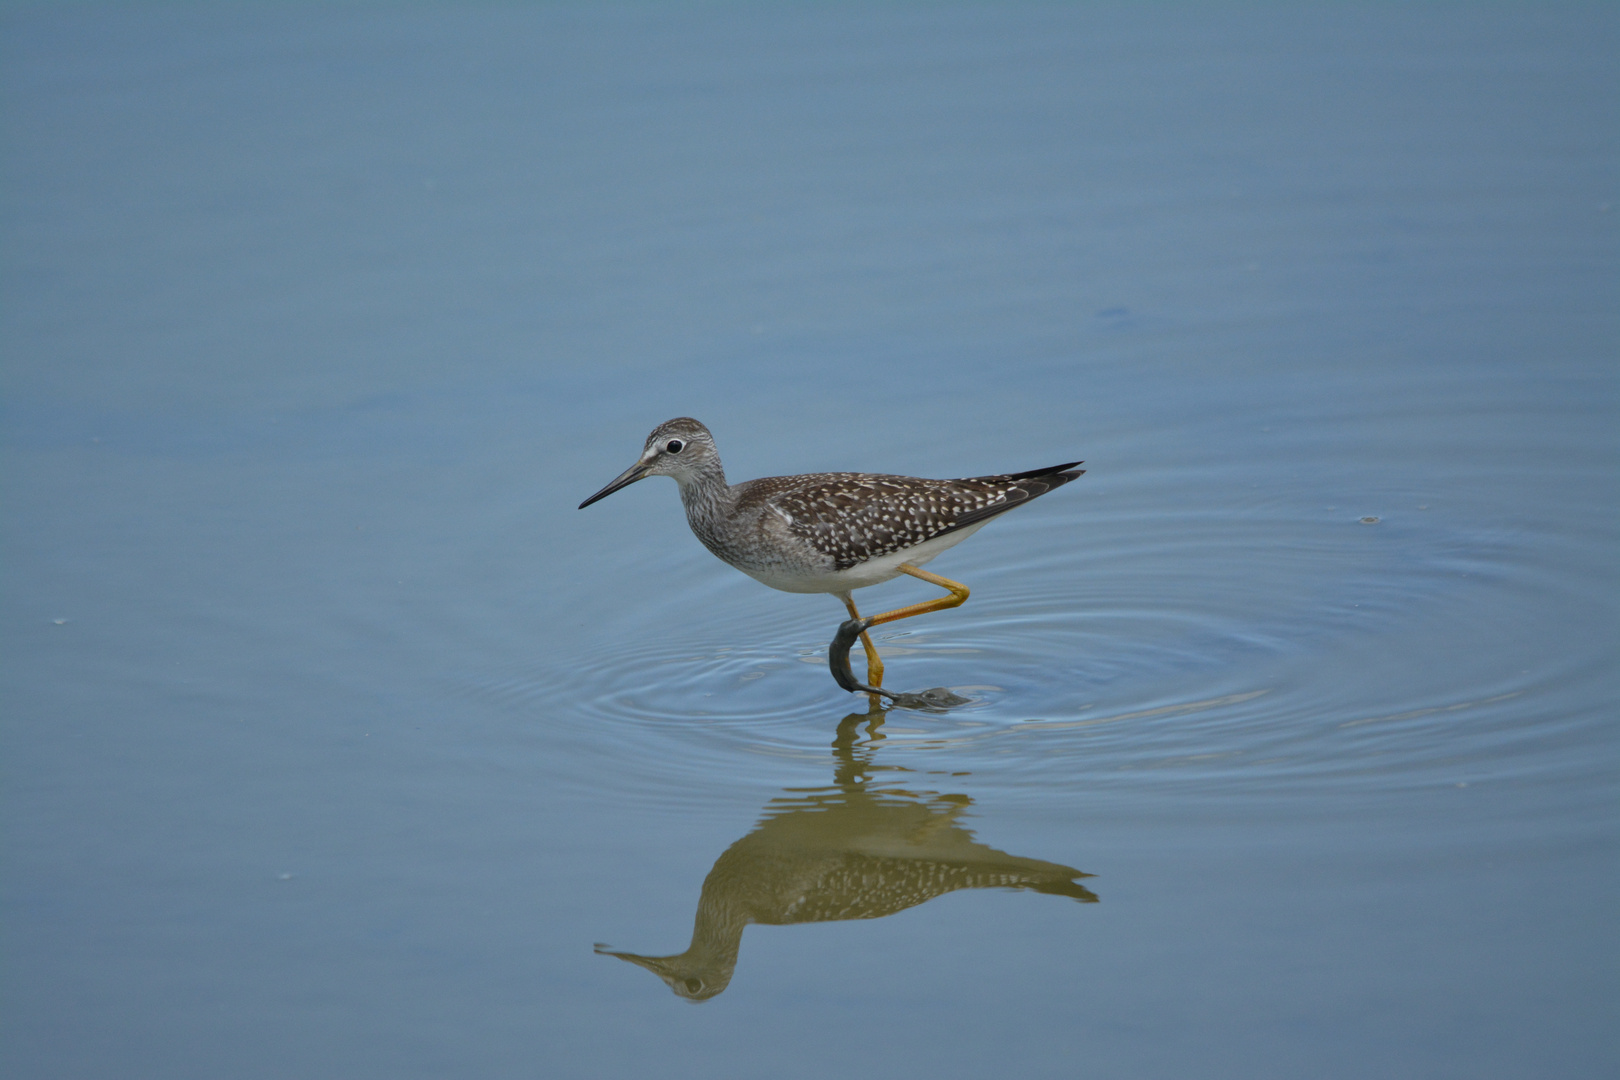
(682,448)
(685,974)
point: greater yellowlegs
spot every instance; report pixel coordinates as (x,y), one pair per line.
(831,532)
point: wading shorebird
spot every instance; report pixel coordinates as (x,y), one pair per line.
(832,532)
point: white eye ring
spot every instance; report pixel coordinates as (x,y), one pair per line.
(674,446)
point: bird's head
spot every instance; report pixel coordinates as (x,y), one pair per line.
(682,448)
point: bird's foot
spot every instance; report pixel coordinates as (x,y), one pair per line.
(849,632)
(937,699)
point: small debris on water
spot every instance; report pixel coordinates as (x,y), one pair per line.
(933,700)
(1369,521)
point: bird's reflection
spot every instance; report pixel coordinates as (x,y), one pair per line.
(862,848)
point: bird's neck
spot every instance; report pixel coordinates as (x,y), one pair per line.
(707,498)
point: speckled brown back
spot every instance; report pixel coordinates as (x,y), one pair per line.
(853,517)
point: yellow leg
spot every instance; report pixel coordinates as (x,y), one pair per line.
(874,664)
(958,591)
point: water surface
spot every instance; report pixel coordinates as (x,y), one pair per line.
(338,743)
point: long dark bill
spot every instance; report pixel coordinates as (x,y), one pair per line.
(625,479)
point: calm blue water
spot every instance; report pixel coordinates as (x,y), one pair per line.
(335,737)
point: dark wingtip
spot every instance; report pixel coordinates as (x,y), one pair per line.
(1053,470)
(1073,890)
(1028,485)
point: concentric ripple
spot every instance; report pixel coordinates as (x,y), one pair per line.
(1247,653)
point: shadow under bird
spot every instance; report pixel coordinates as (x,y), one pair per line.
(833,532)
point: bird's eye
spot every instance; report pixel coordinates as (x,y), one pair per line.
(675,446)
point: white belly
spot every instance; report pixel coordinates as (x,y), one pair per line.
(871,572)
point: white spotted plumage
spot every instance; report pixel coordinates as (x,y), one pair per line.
(825,532)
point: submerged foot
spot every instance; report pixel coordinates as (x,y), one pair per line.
(850,632)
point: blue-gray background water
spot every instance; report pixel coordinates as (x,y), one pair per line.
(335,736)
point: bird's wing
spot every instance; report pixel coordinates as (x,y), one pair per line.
(853,517)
